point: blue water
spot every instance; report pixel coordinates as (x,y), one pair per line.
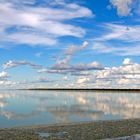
(21,108)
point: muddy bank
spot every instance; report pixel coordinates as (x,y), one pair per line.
(73,131)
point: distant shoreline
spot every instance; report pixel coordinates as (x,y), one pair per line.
(80,89)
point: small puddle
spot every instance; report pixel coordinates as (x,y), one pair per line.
(44,134)
(59,134)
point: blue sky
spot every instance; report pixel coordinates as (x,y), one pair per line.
(69,43)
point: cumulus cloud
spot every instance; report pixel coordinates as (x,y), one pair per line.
(3,75)
(22,23)
(4,79)
(82,80)
(127,76)
(90,75)
(124,7)
(127,61)
(5,83)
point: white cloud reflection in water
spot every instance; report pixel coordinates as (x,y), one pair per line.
(48,107)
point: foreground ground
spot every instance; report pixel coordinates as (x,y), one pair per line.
(78,131)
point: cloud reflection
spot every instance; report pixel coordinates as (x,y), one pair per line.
(64,105)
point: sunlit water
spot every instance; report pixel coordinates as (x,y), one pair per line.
(21,108)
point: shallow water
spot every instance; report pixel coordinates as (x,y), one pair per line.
(20,108)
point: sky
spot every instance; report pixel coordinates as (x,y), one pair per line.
(69,43)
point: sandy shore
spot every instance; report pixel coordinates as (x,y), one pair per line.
(73,131)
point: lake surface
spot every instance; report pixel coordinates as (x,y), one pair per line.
(21,108)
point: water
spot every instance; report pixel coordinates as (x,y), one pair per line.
(21,108)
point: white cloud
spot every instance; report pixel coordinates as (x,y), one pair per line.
(118,39)
(120,32)
(128,82)
(25,24)
(90,75)
(63,66)
(82,80)
(72,69)
(103,47)
(7,83)
(124,7)
(127,61)
(68,54)
(17,2)
(73,49)
(125,76)
(4,80)
(12,64)
(3,75)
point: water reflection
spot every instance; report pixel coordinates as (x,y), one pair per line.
(39,107)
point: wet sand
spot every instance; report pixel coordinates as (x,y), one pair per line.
(73,131)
